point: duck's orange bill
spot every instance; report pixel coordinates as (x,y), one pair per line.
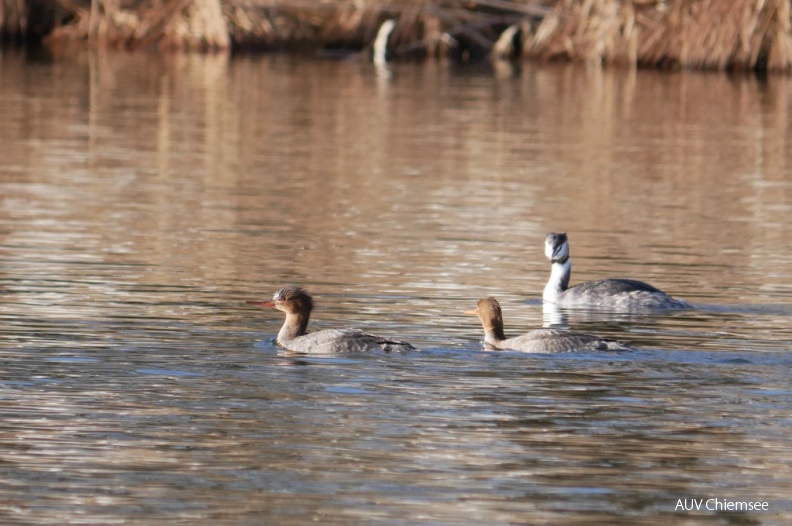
(261,303)
(473,312)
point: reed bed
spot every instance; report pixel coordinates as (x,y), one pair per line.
(183,25)
(696,34)
(423,27)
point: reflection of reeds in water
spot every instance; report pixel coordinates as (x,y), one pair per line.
(713,34)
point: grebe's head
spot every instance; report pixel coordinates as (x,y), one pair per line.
(557,247)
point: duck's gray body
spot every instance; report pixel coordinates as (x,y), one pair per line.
(538,340)
(555,340)
(331,341)
(615,294)
(298,304)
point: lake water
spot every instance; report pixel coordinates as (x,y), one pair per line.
(144,199)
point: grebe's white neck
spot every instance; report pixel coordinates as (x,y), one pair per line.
(558,282)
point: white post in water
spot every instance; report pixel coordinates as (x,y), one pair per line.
(381,42)
(504,46)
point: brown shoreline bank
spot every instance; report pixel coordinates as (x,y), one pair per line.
(695,34)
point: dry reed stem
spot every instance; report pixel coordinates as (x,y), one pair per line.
(13,19)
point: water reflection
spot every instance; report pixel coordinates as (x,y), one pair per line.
(144,200)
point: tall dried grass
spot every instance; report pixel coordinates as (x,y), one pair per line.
(423,27)
(188,25)
(697,34)
(13,19)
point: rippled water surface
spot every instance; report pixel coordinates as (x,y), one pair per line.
(143,200)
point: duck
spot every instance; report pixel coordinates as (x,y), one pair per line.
(544,340)
(614,294)
(298,304)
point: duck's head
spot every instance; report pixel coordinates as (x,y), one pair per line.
(289,299)
(489,312)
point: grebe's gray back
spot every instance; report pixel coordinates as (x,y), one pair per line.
(538,340)
(298,304)
(617,294)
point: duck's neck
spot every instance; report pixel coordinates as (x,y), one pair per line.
(296,325)
(493,334)
(559,280)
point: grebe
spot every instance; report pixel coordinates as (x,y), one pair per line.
(617,294)
(538,340)
(298,304)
